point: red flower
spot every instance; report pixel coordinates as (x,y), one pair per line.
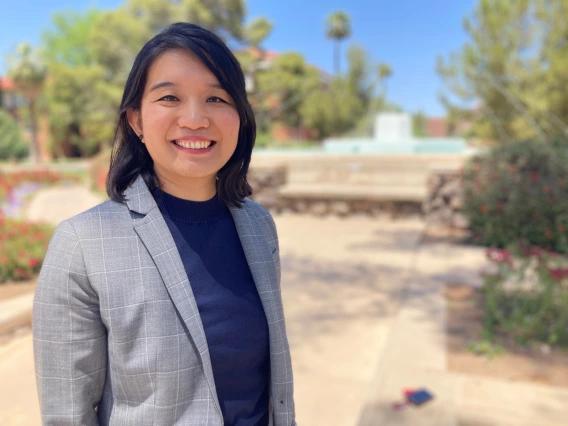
(483,209)
(558,274)
(499,256)
(32,263)
(512,168)
(534,176)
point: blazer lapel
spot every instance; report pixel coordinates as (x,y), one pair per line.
(261,263)
(157,238)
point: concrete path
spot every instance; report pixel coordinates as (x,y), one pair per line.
(15,312)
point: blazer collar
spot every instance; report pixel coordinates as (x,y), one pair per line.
(139,198)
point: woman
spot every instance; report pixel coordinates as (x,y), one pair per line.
(162,306)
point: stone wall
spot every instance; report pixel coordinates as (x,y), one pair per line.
(441,203)
(444,203)
(266,182)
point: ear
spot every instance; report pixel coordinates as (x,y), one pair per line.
(135,121)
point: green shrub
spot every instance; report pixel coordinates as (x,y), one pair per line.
(519,192)
(263,140)
(11,144)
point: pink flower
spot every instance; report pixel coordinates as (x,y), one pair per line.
(499,256)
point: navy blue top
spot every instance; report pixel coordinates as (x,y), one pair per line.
(229,305)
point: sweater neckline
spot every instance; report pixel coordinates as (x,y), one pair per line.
(189,211)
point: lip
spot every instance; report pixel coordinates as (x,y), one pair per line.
(193,138)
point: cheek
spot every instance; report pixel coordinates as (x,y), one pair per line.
(230,125)
(155,120)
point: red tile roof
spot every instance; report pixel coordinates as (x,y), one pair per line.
(436,127)
(7,84)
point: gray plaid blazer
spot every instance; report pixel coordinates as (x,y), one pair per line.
(118,339)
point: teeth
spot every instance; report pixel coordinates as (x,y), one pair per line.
(194,145)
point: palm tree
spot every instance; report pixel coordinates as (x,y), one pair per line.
(338,27)
(29,73)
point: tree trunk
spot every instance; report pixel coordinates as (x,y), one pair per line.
(34,146)
(337,57)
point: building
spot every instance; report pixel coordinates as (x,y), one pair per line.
(10,100)
(438,127)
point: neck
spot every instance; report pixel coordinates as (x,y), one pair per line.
(194,189)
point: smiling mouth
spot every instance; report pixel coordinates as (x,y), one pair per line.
(194,144)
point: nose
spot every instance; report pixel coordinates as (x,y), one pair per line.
(194,116)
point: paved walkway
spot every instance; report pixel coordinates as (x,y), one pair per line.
(366,317)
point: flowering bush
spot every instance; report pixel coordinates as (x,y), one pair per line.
(10,181)
(528,297)
(22,248)
(519,192)
(23,245)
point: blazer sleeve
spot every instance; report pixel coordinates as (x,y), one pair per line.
(69,337)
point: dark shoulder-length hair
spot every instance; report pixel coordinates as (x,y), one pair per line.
(130,158)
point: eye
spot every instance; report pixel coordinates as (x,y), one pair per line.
(215,99)
(169,98)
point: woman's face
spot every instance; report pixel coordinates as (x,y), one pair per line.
(189,123)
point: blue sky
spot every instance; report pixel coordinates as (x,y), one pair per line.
(406,34)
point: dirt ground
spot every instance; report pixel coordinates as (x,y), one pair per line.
(535,363)
(13,289)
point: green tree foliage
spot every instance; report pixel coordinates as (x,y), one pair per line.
(338,28)
(509,78)
(252,58)
(283,88)
(348,103)
(11,145)
(419,123)
(28,71)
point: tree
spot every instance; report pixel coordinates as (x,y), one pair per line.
(498,70)
(419,123)
(549,92)
(29,72)
(338,27)
(284,87)
(348,104)
(11,145)
(252,59)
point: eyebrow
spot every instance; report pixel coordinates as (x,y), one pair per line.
(163,84)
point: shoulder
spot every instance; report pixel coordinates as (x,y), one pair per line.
(257,211)
(260,215)
(108,214)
